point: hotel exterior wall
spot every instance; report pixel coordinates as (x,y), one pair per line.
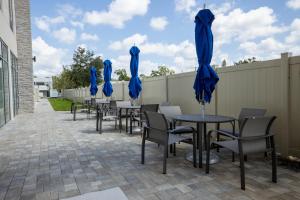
(273,84)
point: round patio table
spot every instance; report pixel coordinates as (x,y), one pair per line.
(201,121)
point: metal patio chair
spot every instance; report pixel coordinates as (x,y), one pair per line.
(157,130)
(140,116)
(253,138)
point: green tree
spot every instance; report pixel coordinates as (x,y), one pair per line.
(249,60)
(122,75)
(78,74)
(162,71)
(64,80)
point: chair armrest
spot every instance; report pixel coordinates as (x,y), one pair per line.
(222,133)
(255,137)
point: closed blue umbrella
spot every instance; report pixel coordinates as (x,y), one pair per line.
(107,87)
(135,84)
(93,81)
(206,78)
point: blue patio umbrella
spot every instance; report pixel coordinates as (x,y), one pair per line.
(93,81)
(107,87)
(135,84)
(206,78)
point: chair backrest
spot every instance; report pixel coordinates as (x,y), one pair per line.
(157,126)
(101,100)
(113,104)
(170,111)
(149,107)
(250,112)
(256,126)
(165,103)
(123,103)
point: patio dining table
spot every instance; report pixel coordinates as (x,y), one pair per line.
(202,121)
(127,108)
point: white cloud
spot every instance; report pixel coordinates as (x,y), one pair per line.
(119,12)
(77,24)
(159,23)
(293,4)
(44,23)
(123,62)
(89,37)
(265,47)
(69,10)
(182,55)
(294,35)
(126,43)
(49,59)
(244,26)
(184,5)
(65,35)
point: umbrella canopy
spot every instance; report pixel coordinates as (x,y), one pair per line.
(93,81)
(135,84)
(206,78)
(107,87)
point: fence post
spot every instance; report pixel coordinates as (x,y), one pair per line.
(167,88)
(123,91)
(285,103)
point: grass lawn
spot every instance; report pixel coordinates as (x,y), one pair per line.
(60,104)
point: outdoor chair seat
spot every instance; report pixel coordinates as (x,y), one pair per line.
(183,130)
(233,145)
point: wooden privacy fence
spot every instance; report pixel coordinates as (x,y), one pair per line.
(272,84)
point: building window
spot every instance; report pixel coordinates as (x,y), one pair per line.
(15,86)
(11,15)
(4,85)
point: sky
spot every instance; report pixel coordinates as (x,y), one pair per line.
(162,29)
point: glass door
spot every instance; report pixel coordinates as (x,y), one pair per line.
(4,85)
(2,113)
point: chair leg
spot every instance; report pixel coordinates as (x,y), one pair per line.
(74,113)
(174,150)
(100,122)
(130,123)
(218,139)
(242,166)
(97,120)
(274,161)
(143,150)
(165,159)
(194,149)
(233,157)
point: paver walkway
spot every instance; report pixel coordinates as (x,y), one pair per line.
(46,155)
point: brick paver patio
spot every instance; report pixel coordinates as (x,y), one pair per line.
(46,155)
